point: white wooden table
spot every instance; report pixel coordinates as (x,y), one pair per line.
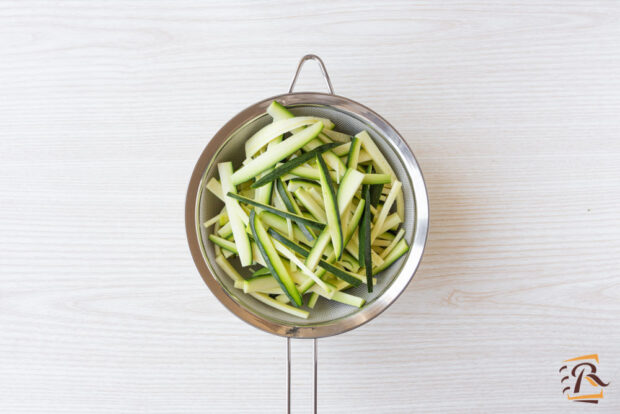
(512,109)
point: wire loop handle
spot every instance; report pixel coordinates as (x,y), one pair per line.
(321,66)
(315,361)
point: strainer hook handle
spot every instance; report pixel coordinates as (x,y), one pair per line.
(288,375)
(321,66)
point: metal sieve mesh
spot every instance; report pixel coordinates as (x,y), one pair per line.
(325,312)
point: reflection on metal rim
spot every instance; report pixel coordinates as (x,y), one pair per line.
(409,267)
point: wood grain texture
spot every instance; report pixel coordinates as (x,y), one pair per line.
(512,109)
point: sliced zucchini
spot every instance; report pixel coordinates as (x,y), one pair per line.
(225,231)
(281,213)
(242,241)
(295,183)
(275,154)
(223,243)
(311,205)
(340,213)
(292,164)
(367,250)
(216,188)
(281,248)
(393,243)
(292,207)
(337,136)
(400,249)
(339,273)
(273,261)
(348,299)
(277,129)
(312,301)
(382,166)
(391,222)
(228,269)
(277,111)
(354,153)
(342,150)
(389,201)
(331,208)
(310,173)
(280,306)
(346,191)
(264,284)
(212,221)
(377,179)
(279,223)
(261,272)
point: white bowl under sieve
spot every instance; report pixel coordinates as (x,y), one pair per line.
(328,317)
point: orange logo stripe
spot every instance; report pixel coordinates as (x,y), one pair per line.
(593,356)
(586,397)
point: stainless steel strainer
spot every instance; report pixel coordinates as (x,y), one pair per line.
(327,318)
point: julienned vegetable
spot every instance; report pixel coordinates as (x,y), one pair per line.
(310,212)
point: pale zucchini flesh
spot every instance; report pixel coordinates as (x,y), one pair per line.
(296,206)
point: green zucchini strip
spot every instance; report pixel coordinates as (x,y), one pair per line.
(216,188)
(273,261)
(312,301)
(331,208)
(225,230)
(280,224)
(212,221)
(348,187)
(242,241)
(223,243)
(367,251)
(276,154)
(400,249)
(267,300)
(375,194)
(294,163)
(263,194)
(277,111)
(339,273)
(292,207)
(310,173)
(354,153)
(295,183)
(228,269)
(337,136)
(389,201)
(343,149)
(261,272)
(281,248)
(274,130)
(311,205)
(256,255)
(382,166)
(391,246)
(377,179)
(392,221)
(265,283)
(282,213)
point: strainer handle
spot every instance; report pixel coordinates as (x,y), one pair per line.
(321,66)
(288,375)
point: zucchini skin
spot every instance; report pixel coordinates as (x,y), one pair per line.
(285,214)
(367,241)
(295,162)
(331,208)
(272,259)
(339,273)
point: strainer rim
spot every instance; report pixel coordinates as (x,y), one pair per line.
(421,220)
